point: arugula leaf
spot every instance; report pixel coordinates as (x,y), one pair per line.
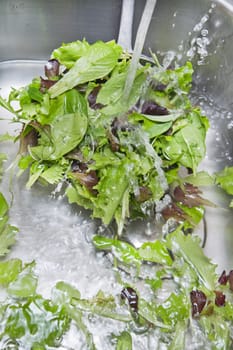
(98,61)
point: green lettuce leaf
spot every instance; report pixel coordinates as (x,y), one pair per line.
(155,252)
(69,53)
(9,270)
(25,284)
(224,178)
(7,231)
(123,251)
(124,341)
(111,188)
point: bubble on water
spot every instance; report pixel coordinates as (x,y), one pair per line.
(204,32)
(230,125)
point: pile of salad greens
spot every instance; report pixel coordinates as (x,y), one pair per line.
(122,159)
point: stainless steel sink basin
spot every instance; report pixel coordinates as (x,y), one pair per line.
(58,236)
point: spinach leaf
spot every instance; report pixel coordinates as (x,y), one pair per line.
(98,61)
(111,94)
(187,145)
(66,129)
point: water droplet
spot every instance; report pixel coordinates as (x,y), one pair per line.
(230,125)
(204,32)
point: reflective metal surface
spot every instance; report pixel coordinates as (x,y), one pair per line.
(57,235)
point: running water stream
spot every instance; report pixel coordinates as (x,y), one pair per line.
(139,44)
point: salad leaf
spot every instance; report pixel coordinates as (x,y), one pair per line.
(174,309)
(124,341)
(6,137)
(80,128)
(111,189)
(66,133)
(155,252)
(69,53)
(111,94)
(188,247)
(83,123)
(122,250)
(102,305)
(9,270)
(188,143)
(25,284)
(7,231)
(96,62)
(225,179)
(217,332)
(2,159)
(34,323)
